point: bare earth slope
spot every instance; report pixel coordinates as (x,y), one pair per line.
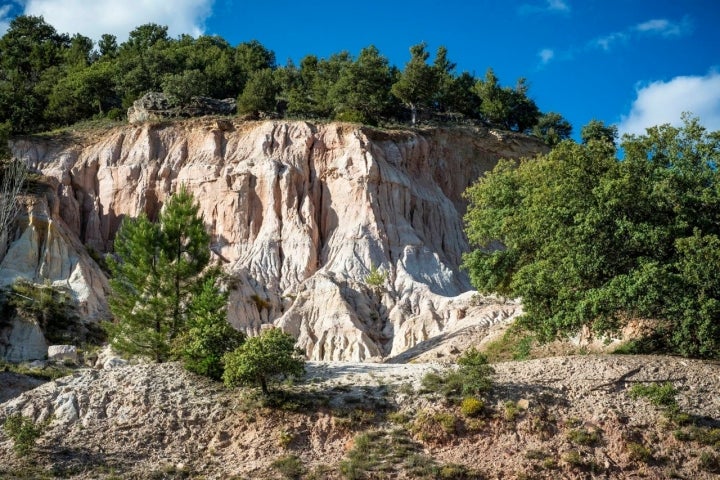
(299,214)
(562,417)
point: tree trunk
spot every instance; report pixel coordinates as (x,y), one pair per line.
(263,386)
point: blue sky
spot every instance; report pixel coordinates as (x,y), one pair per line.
(628,62)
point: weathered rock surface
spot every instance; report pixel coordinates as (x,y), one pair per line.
(155,106)
(140,421)
(299,214)
(22,340)
(63,353)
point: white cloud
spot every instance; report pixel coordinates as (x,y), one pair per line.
(546,54)
(558,5)
(664,27)
(549,6)
(657,26)
(606,42)
(116,17)
(7,14)
(664,102)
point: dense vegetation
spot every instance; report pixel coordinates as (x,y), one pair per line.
(591,240)
(168,304)
(49,80)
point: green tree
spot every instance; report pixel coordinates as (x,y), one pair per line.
(31,53)
(208,335)
(552,128)
(262,359)
(156,273)
(108,46)
(181,87)
(597,130)
(418,83)
(506,107)
(588,240)
(362,91)
(259,94)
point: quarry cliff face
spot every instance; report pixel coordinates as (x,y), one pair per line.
(299,214)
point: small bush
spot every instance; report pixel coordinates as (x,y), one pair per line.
(659,394)
(290,467)
(433,426)
(710,462)
(510,411)
(23,432)
(471,406)
(573,458)
(472,377)
(639,452)
(285,438)
(584,437)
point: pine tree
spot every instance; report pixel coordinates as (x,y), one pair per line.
(208,335)
(155,275)
(418,83)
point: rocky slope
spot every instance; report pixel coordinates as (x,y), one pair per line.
(563,417)
(299,214)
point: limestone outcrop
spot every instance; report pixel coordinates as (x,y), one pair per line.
(300,214)
(155,106)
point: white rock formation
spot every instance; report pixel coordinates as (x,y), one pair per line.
(299,214)
(62,353)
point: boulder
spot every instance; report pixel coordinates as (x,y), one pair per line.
(154,106)
(62,353)
(22,341)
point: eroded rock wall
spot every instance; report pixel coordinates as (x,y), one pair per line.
(299,214)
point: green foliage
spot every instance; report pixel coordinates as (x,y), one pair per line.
(582,436)
(504,106)
(471,406)
(472,377)
(376,278)
(710,462)
(263,358)
(639,452)
(588,240)
(598,131)
(259,93)
(23,432)
(290,467)
(158,270)
(52,307)
(418,82)
(552,128)
(362,90)
(659,394)
(50,80)
(208,335)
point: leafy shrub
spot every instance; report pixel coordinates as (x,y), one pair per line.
(659,394)
(584,252)
(52,307)
(472,377)
(510,411)
(573,458)
(23,432)
(583,436)
(639,452)
(290,467)
(710,462)
(471,406)
(262,359)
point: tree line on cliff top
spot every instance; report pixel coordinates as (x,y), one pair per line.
(49,80)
